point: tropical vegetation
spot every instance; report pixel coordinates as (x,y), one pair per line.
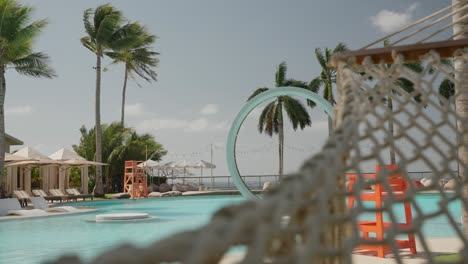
(271,120)
(106,30)
(17,34)
(118,145)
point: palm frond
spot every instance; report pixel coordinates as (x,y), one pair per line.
(295,83)
(87,43)
(277,116)
(257,92)
(340,48)
(280,74)
(127,37)
(265,121)
(88,24)
(296,112)
(447,89)
(314,86)
(321,58)
(408,86)
(106,29)
(415,66)
(35,65)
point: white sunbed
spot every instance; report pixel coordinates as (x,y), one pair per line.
(41,203)
(11,206)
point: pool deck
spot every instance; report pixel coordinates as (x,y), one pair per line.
(437,246)
(217,192)
(51,214)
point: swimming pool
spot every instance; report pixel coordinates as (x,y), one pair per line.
(38,240)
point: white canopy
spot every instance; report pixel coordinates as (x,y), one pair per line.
(14,158)
(39,162)
(182,164)
(65,154)
(31,153)
(203,164)
(79,162)
(149,163)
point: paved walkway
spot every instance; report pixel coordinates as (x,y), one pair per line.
(437,246)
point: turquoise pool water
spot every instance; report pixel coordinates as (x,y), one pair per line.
(38,240)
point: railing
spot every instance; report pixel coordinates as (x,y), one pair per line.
(254,182)
(224,182)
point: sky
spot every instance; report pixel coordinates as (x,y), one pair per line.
(214,54)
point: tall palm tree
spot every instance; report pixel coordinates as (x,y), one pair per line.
(17,35)
(327,76)
(271,119)
(106,31)
(139,60)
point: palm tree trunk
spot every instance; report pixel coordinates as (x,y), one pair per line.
(461,106)
(98,189)
(330,125)
(391,130)
(2,128)
(330,100)
(281,145)
(123,96)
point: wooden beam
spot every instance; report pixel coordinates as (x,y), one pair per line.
(410,52)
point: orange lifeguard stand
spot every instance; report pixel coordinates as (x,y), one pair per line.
(135,182)
(398,186)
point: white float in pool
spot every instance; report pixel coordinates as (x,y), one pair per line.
(122,216)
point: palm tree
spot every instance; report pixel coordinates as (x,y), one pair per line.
(271,118)
(17,35)
(105,32)
(139,60)
(327,76)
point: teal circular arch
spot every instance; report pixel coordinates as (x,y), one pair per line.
(242,115)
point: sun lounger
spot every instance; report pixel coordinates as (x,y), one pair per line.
(41,193)
(77,194)
(22,197)
(11,206)
(42,204)
(58,192)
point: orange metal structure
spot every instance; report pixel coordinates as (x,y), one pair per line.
(398,187)
(135,182)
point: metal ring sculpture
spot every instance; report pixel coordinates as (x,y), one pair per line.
(251,104)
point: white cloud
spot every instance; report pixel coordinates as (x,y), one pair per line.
(209,109)
(195,125)
(222,126)
(388,21)
(199,124)
(134,109)
(19,110)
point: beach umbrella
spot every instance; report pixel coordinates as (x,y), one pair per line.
(31,153)
(182,164)
(15,158)
(35,158)
(79,162)
(38,163)
(65,154)
(203,165)
(149,167)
